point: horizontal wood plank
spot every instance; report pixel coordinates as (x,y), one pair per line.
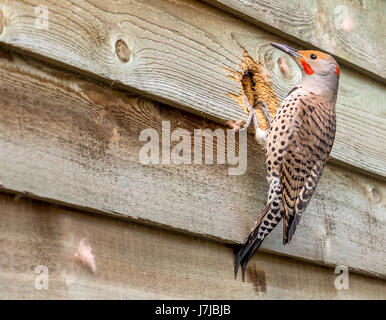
(353,31)
(137,262)
(181,53)
(65,139)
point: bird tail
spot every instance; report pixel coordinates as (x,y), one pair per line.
(251,244)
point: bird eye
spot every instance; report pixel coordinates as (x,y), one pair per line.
(313,56)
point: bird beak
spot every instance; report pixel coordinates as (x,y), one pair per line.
(287,49)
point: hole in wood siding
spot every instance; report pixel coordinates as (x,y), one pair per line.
(122,51)
(256,85)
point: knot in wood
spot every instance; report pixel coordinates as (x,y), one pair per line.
(372,192)
(122,51)
(107,123)
(284,67)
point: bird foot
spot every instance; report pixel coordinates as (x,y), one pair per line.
(264,109)
(252,116)
(260,134)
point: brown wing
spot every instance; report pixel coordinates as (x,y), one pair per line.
(308,148)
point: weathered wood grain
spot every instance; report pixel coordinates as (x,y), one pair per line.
(138,262)
(354,31)
(67,140)
(179,52)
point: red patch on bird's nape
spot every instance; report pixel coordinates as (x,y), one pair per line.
(337,71)
(306,67)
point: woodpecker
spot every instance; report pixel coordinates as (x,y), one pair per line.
(297,143)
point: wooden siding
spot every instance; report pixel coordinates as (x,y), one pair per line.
(68,140)
(74,99)
(354,31)
(179,52)
(138,262)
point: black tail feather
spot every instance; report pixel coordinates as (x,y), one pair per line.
(245,254)
(250,246)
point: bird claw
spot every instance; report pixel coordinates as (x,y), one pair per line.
(260,134)
(252,116)
(264,109)
(235,125)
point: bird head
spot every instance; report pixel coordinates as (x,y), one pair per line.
(320,71)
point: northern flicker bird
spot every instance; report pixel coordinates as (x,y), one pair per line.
(297,143)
